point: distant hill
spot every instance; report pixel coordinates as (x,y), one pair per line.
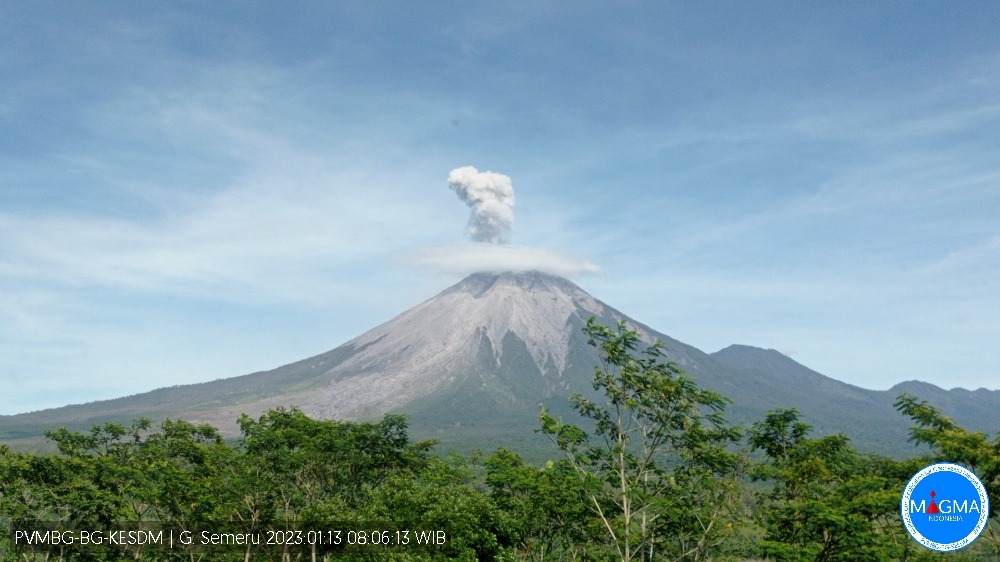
(831,406)
(471,365)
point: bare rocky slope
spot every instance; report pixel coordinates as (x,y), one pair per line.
(471,365)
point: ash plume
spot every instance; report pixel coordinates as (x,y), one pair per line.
(491,198)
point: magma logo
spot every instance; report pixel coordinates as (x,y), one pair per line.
(945,507)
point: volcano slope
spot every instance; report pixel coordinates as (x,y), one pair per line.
(471,366)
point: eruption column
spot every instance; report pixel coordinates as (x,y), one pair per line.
(491,198)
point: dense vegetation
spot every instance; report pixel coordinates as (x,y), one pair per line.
(654,473)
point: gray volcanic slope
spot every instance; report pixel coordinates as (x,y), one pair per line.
(471,365)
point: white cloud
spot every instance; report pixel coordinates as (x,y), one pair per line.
(469,258)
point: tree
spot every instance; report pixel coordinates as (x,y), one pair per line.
(142,476)
(545,508)
(826,501)
(310,473)
(440,497)
(658,448)
(951,442)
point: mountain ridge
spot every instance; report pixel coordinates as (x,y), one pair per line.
(474,362)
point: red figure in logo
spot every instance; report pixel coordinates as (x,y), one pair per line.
(933,508)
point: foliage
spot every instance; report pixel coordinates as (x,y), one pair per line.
(441,498)
(953,443)
(658,447)
(304,460)
(546,507)
(290,472)
(827,502)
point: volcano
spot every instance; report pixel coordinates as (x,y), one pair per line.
(471,366)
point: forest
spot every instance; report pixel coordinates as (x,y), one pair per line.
(652,471)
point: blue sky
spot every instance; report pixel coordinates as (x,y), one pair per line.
(190,191)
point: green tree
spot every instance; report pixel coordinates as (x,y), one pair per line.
(441,497)
(36,490)
(135,474)
(306,473)
(107,469)
(184,467)
(949,442)
(546,507)
(827,502)
(659,448)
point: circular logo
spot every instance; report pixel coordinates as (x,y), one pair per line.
(945,507)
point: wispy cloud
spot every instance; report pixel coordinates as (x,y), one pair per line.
(982,256)
(285,198)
